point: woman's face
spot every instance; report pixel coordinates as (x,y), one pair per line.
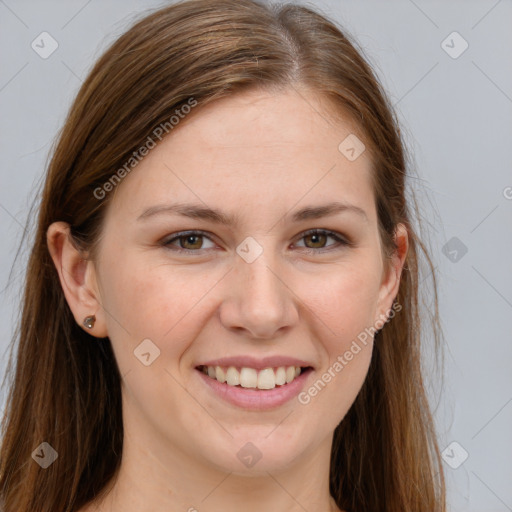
(252,293)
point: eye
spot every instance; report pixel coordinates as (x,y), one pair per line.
(193,241)
(189,241)
(320,236)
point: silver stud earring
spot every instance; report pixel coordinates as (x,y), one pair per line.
(89,321)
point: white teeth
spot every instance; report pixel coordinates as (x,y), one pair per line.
(268,378)
(220,374)
(280,376)
(248,378)
(232,376)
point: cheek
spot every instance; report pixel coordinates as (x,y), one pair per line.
(332,393)
(159,302)
(344,299)
(344,309)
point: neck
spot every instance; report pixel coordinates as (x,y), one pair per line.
(154,480)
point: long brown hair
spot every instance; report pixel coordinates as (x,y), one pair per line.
(66,387)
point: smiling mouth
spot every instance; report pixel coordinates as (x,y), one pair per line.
(245,377)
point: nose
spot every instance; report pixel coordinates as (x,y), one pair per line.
(258,299)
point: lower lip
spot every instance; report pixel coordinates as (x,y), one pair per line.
(257,399)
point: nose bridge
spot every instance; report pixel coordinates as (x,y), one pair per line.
(258,300)
(256,259)
(260,281)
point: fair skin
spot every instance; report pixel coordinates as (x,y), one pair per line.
(262,157)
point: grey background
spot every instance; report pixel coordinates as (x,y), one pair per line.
(457,122)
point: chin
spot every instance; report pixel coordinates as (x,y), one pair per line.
(257,451)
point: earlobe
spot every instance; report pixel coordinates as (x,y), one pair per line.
(391,283)
(77,279)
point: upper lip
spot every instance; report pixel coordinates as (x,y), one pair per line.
(256,363)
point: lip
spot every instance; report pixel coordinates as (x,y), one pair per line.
(257,364)
(256,399)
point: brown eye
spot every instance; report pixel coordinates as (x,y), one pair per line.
(318,240)
(191,242)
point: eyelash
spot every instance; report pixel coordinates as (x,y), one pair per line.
(341,241)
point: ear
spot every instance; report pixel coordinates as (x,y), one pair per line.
(77,278)
(392,272)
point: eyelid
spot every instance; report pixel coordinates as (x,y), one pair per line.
(341,240)
(339,237)
(166,241)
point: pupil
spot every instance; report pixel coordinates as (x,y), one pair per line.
(190,239)
(315,237)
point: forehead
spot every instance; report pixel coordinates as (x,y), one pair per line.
(252,150)
(259,118)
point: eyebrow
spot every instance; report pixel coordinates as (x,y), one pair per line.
(195,211)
